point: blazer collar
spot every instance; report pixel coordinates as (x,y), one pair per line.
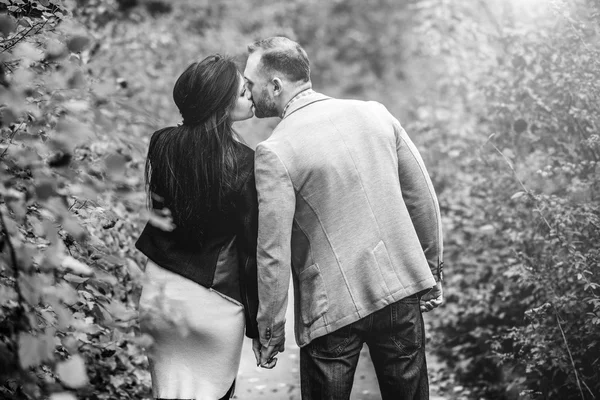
(301,100)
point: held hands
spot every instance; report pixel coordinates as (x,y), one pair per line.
(434,298)
(265,356)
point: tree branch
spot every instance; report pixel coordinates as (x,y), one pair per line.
(517,177)
(570,355)
(40,26)
(11,139)
(15,266)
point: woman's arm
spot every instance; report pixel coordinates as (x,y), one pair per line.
(247,211)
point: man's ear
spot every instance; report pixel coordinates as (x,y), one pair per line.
(277,86)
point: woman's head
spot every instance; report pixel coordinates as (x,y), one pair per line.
(192,169)
(212,91)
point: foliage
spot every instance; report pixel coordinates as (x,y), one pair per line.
(500,96)
(523,214)
(67,269)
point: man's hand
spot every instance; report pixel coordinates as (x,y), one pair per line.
(267,354)
(434,298)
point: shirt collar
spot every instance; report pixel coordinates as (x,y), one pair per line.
(305,92)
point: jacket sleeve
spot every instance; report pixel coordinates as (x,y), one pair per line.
(247,231)
(276,205)
(420,198)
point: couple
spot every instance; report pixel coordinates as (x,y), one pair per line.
(337,197)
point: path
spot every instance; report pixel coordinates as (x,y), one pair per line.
(283,382)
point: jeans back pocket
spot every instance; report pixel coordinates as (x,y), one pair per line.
(407,325)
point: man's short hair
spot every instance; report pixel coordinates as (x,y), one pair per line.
(282,55)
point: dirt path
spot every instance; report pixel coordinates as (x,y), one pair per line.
(283,382)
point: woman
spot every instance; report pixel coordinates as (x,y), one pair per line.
(202,274)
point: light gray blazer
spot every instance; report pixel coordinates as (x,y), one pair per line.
(347,208)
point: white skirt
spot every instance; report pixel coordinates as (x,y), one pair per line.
(198,335)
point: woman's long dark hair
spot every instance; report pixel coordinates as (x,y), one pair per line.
(191,169)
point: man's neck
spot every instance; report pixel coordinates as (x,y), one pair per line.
(297,90)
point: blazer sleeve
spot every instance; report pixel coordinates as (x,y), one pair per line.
(420,198)
(247,233)
(276,205)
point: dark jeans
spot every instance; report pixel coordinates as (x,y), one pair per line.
(396,339)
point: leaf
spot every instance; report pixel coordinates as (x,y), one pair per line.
(7,294)
(135,270)
(28,53)
(51,257)
(8,116)
(77,43)
(143,340)
(62,396)
(103,89)
(32,286)
(70,343)
(75,229)
(11,226)
(58,207)
(45,189)
(34,350)
(72,372)
(71,133)
(120,312)
(26,22)
(76,106)
(102,276)
(74,278)
(117,381)
(46,344)
(115,165)
(520,125)
(28,351)
(489,228)
(7,24)
(508,153)
(517,195)
(77,267)
(55,50)
(64,315)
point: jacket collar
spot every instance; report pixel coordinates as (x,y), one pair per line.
(301,100)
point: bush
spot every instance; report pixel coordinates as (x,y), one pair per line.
(500,96)
(522,215)
(67,268)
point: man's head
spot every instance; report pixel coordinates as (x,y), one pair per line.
(276,70)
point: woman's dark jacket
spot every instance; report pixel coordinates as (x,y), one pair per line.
(224,259)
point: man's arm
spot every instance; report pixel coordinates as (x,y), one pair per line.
(420,199)
(276,207)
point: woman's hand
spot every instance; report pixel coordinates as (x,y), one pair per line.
(256,346)
(267,355)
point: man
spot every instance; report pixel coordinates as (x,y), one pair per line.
(346,207)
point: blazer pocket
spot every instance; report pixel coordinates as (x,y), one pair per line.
(313,297)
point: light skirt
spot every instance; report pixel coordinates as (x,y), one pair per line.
(198,335)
